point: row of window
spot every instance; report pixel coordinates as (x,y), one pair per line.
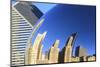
(20,31)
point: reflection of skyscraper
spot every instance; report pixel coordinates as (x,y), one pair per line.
(23,21)
(54,53)
(29,43)
(35,51)
(80,51)
(66,53)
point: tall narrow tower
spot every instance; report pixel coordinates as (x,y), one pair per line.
(54,52)
(66,53)
(80,51)
(29,42)
(35,50)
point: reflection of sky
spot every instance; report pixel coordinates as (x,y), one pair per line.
(44,7)
(63,20)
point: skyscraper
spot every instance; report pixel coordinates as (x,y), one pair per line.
(35,51)
(54,52)
(66,52)
(80,51)
(29,43)
(23,19)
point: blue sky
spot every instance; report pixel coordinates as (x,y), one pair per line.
(63,20)
(44,7)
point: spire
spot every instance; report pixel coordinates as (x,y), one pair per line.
(71,39)
(56,43)
(44,34)
(34,30)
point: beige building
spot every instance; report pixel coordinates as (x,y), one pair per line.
(54,53)
(43,60)
(35,51)
(30,41)
(66,53)
(91,58)
(68,49)
(75,59)
(83,58)
(80,51)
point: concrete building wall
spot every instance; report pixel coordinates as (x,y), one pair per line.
(20,31)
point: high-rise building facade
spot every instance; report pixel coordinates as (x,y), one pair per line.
(23,20)
(29,43)
(54,53)
(35,51)
(66,52)
(80,51)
